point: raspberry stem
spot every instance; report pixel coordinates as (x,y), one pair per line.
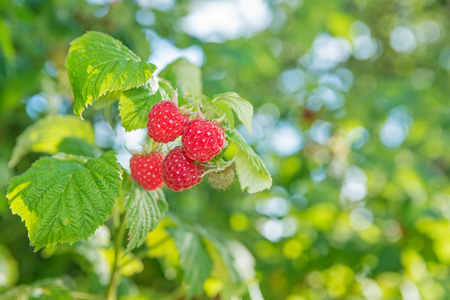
(219,167)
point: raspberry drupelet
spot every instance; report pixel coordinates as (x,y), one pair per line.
(202,140)
(179,171)
(147,170)
(165,122)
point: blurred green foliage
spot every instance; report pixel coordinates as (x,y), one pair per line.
(351,118)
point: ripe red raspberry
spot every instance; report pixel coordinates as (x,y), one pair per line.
(179,171)
(147,170)
(202,140)
(165,122)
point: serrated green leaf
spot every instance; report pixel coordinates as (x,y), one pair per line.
(107,99)
(195,260)
(97,64)
(225,255)
(252,173)
(221,109)
(135,104)
(65,198)
(185,76)
(242,108)
(76,146)
(144,210)
(46,134)
(165,88)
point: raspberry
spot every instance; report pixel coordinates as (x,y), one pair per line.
(221,180)
(179,171)
(165,122)
(147,170)
(202,140)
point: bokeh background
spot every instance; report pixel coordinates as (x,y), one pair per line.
(351,118)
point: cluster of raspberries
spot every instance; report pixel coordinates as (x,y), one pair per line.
(180,169)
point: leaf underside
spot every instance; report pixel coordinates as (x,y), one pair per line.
(252,173)
(242,108)
(144,210)
(221,109)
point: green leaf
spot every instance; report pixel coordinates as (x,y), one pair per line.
(221,109)
(46,134)
(195,260)
(135,104)
(45,289)
(165,88)
(76,146)
(225,254)
(107,99)
(144,210)
(185,76)
(65,198)
(252,173)
(242,108)
(97,64)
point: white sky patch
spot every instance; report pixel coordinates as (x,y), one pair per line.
(156,4)
(217,21)
(320,131)
(364,45)
(145,17)
(395,130)
(319,174)
(354,187)
(402,39)
(273,207)
(354,190)
(327,52)
(291,81)
(287,140)
(332,99)
(271,229)
(164,51)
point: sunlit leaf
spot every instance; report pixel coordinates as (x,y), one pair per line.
(46,134)
(225,255)
(185,76)
(98,63)
(242,108)
(252,173)
(65,198)
(77,146)
(135,104)
(221,109)
(46,289)
(195,261)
